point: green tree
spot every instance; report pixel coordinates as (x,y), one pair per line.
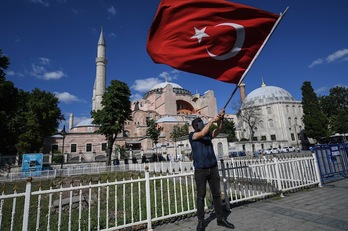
(116,110)
(179,131)
(339,121)
(9,97)
(335,107)
(153,131)
(315,121)
(41,116)
(229,129)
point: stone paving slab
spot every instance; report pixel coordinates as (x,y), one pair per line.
(320,209)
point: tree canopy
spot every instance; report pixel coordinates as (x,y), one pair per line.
(335,107)
(153,131)
(179,131)
(229,129)
(315,121)
(26,118)
(116,110)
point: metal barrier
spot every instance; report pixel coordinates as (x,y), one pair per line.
(332,161)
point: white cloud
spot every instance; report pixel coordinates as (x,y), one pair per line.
(169,76)
(340,55)
(144,85)
(40,70)
(53,75)
(44,61)
(13,73)
(316,62)
(37,70)
(337,55)
(67,98)
(112,10)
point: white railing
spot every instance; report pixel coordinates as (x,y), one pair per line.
(165,167)
(147,197)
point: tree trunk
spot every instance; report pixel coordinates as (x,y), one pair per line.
(109,151)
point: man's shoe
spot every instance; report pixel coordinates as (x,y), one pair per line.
(201,226)
(225,223)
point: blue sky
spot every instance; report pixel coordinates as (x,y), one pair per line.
(52,46)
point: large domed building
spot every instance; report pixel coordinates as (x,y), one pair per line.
(169,104)
(269,117)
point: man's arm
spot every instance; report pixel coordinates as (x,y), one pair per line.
(206,129)
(217,131)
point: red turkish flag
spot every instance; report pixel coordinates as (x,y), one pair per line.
(214,38)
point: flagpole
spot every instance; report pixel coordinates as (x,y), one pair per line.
(255,57)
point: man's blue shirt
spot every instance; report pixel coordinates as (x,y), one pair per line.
(202,152)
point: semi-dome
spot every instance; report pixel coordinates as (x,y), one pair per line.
(163,85)
(267,95)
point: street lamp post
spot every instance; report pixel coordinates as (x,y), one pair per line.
(63,133)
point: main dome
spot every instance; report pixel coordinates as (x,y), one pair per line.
(268,95)
(163,85)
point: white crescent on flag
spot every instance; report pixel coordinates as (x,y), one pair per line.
(240,37)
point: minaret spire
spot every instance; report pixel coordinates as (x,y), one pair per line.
(100,78)
(263,83)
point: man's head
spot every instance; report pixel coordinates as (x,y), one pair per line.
(198,124)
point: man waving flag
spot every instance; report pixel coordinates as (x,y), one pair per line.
(214,38)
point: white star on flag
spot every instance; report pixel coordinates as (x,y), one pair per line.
(200,34)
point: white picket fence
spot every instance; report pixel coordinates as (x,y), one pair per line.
(154,194)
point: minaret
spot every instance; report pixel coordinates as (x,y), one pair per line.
(242,92)
(71,121)
(100,78)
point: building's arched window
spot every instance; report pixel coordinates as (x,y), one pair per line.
(289,120)
(271,123)
(269,110)
(126,133)
(262,125)
(293,109)
(73,147)
(287,109)
(88,147)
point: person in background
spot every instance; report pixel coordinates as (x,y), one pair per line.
(206,168)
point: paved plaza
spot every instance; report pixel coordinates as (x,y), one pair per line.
(320,209)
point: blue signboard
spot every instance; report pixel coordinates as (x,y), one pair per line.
(32,164)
